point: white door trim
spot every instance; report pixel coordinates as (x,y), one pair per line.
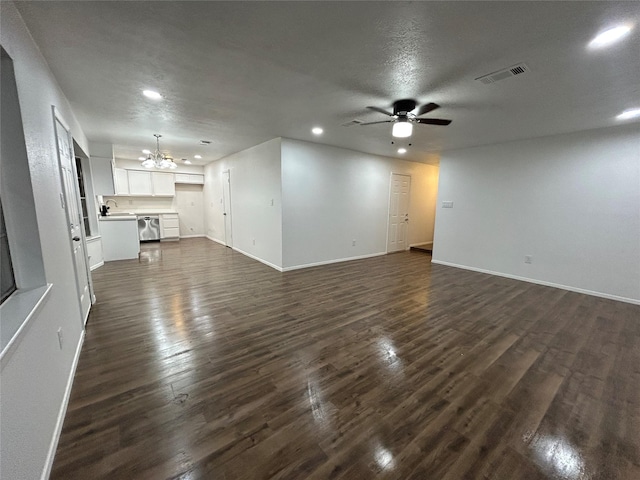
(226,192)
(57,116)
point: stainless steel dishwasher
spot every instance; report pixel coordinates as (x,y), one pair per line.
(149,228)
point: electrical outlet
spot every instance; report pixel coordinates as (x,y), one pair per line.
(528,258)
(353,243)
(60,338)
(254,241)
(272,202)
(447,204)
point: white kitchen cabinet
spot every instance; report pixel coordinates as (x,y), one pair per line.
(102,175)
(192,178)
(169,226)
(163,184)
(94,252)
(120,181)
(140,183)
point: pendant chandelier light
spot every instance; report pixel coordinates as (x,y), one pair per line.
(158,159)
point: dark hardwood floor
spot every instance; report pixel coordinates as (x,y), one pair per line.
(200,363)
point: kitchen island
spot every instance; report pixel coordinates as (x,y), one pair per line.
(119,237)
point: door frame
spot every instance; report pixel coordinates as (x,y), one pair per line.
(226,178)
(64,201)
(391,174)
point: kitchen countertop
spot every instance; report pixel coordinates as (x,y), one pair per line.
(133,215)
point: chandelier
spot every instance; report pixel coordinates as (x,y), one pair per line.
(158,159)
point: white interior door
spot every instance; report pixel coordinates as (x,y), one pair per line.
(399,213)
(226,192)
(74,216)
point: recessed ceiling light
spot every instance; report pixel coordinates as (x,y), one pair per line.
(197,156)
(610,36)
(628,114)
(152,94)
(188,162)
(142,158)
(146,152)
(402,150)
(317,131)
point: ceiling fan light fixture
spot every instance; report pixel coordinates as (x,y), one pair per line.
(402,129)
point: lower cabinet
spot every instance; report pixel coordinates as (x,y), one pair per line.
(94,252)
(169,226)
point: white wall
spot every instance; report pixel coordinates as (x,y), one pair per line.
(255,201)
(571,201)
(36,372)
(189,203)
(332,196)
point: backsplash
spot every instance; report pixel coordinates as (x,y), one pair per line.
(138,204)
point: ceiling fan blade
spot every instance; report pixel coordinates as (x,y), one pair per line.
(426,108)
(432,121)
(382,121)
(381,110)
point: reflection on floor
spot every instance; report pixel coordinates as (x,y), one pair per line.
(202,363)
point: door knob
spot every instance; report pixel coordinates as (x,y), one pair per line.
(76,239)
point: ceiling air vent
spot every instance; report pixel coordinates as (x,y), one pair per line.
(352,122)
(512,71)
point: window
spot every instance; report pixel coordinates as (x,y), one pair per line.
(23,281)
(8,280)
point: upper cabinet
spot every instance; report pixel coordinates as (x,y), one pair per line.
(163,184)
(193,178)
(102,175)
(140,183)
(144,183)
(156,184)
(120,181)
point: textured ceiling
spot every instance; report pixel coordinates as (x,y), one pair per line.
(241,73)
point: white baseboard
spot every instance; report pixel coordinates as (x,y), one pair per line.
(97,265)
(337,260)
(192,236)
(46,472)
(216,240)
(421,244)
(542,282)
(272,265)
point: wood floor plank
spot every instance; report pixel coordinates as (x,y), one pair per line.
(200,363)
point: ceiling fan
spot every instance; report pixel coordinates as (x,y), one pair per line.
(403,116)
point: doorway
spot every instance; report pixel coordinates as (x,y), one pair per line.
(226,205)
(399,194)
(71,202)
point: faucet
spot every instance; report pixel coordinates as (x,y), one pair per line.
(111,200)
